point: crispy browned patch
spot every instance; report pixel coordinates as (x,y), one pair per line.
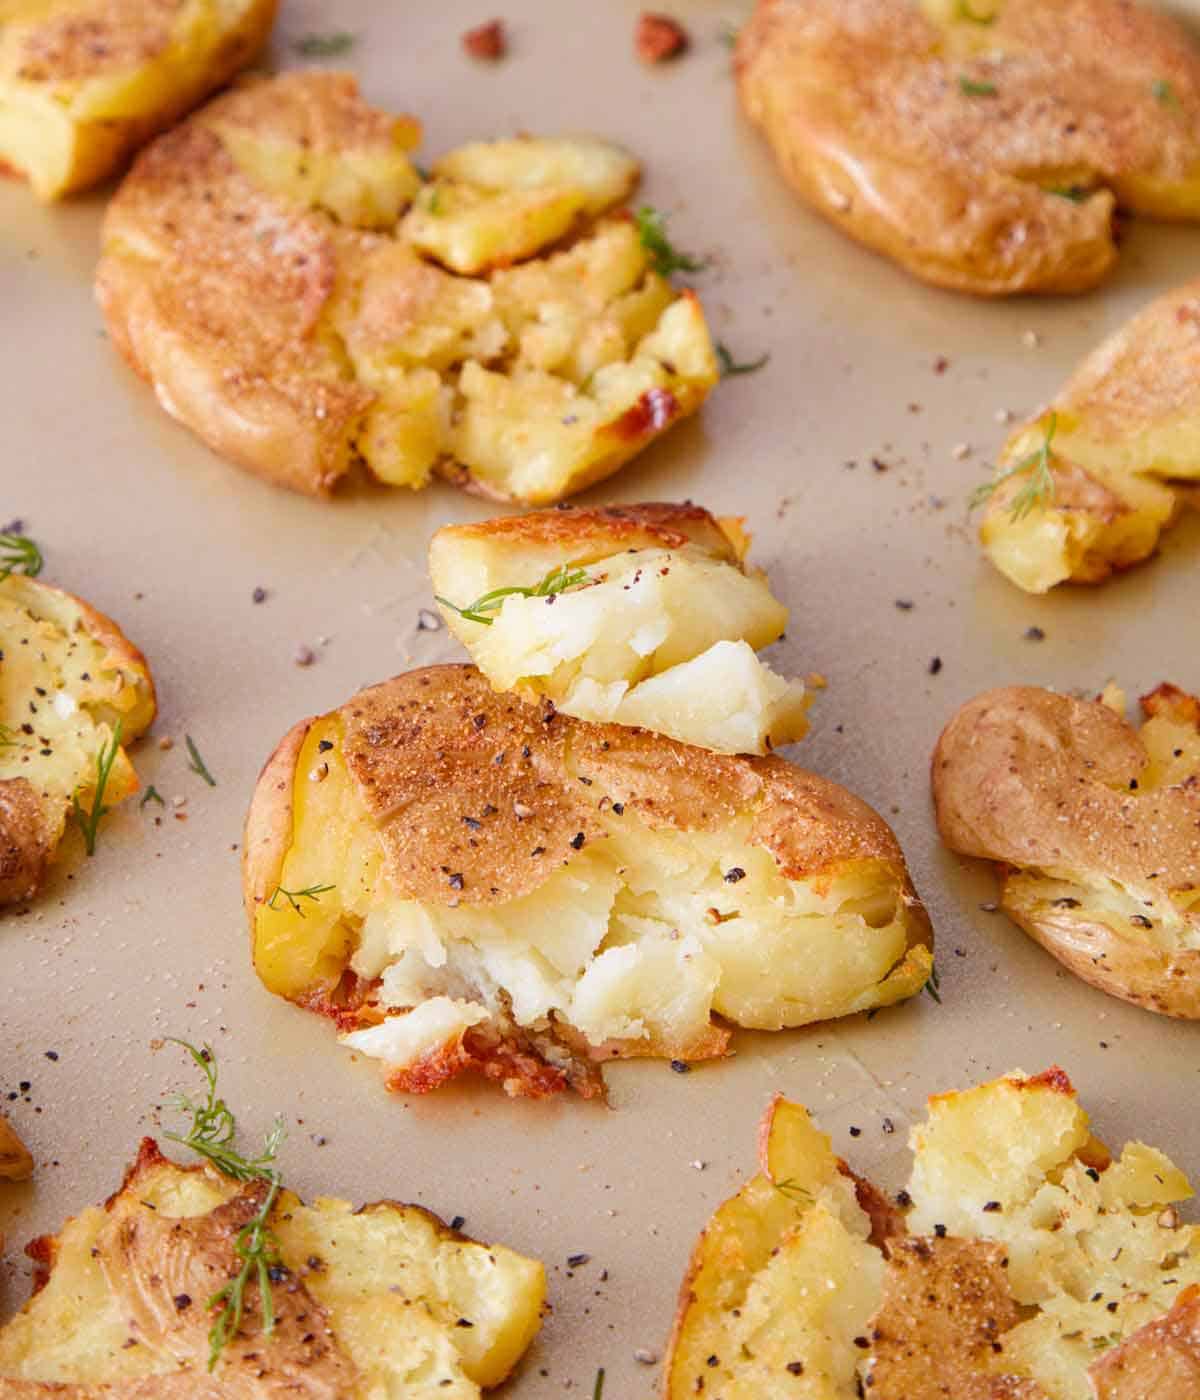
(1169,702)
(946,1306)
(653,412)
(887,1220)
(583,534)
(15,1162)
(1160,1360)
(942,149)
(435,745)
(487,41)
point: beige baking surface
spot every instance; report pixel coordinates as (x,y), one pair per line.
(147,939)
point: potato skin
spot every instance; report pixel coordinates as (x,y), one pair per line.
(1036,780)
(862,104)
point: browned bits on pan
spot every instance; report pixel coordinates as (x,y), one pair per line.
(487,41)
(658,38)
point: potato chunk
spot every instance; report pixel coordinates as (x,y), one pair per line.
(472,883)
(642,615)
(382,1300)
(83,83)
(1087,488)
(68,675)
(305,300)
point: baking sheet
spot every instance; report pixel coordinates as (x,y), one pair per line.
(841,454)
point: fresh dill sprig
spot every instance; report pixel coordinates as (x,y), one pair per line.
(1077,194)
(730,366)
(971,87)
(293,897)
(558,580)
(794,1191)
(196,763)
(324,45)
(213,1135)
(1164,92)
(1038,491)
(934,985)
(598,1388)
(665,258)
(151,794)
(89,820)
(19,555)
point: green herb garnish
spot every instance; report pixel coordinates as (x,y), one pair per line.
(1075,193)
(966,12)
(195,763)
(665,258)
(794,1191)
(89,821)
(19,555)
(151,794)
(969,87)
(1164,92)
(1038,491)
(934,985)
(598,1388)
(324,45)
(213,1135)
(558,580)
(730,366)
(293,897)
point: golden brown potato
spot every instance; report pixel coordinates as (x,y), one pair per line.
(1089,485)
(68,677)
(1033,1265)
(384,1300)
(302,299)
(643,615)
(463,881)
(1097,826)
(15,1162)
(84,83)
(982,144)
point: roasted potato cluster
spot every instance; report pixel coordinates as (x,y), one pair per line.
(83,83)
(73,691)
(1087,487)
(1096,826)
(1032,1264)
(982,144)
(304,300)
(644,615)
(384,1300)
(463,881)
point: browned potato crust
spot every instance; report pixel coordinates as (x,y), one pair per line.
(260,270)
(366,1302)
(1103,860)
(1161,1360)
(982,146)
(434,797)
(84,83)
(15,1162)
(59,703)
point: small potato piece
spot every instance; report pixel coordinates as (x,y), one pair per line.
(368,1302)
(304,300)
(1122,448)
(476,883)
(1033,1265)
(84,83)
(15,1162)
(67,676)
(983,146)
(657,625)
(1097,826)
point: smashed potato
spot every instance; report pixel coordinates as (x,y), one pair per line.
(15,1162)
(981,144)
(68,677)
(643,615)
(466,882)
(1032,1265)
(84,83)
(304,300)
(385,1300)
(1088,487)
(1097,828)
